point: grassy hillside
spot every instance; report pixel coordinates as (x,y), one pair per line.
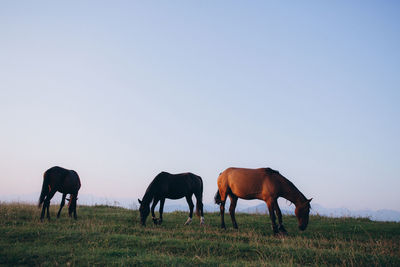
(112,236)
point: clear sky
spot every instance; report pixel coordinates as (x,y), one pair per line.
(121,90)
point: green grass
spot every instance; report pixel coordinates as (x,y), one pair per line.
(105,235)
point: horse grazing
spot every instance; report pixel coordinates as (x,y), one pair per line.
(172,186)
(61,180)
(264,184)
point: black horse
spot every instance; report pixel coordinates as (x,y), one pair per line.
(172,186)
(61,180)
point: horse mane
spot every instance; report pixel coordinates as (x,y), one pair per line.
(271,171)
(293,186)
(294,189)
(149,194)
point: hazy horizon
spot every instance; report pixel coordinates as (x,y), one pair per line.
(122,91)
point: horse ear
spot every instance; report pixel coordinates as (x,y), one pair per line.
(140,202)
(309,200)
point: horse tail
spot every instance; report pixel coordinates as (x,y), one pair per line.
(45,188)
(217,198)
(199,203)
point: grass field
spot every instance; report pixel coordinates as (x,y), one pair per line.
(105,235)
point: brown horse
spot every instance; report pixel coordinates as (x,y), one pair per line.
(264,184)
(61,180)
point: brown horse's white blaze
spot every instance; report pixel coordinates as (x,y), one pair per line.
(264,184)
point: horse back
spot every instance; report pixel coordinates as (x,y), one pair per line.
(63,180)
(245,183)
(175,186)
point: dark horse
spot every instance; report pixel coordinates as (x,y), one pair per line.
(172,186)
(61,180)
(265,184)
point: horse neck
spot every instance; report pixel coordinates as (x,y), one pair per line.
(148,196)
(152,188)
(293,194)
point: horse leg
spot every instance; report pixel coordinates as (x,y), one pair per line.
(232,210)
(70,205)
(48,211)
(61,205)
(162,201)
(279,214)
(222,211)
(74,205)
(43,212)
(43,209)
(271,205)
(199,208)
(153,206)
(191,206)
(47,203)
(223,194)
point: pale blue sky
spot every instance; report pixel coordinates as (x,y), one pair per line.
(121,90)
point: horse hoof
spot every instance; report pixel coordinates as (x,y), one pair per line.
(189,221)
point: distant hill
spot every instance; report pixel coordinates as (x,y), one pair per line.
(180,205)
(316,209)
(378,215)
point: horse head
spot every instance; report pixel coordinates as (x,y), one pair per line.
(144,211)
(302,213)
